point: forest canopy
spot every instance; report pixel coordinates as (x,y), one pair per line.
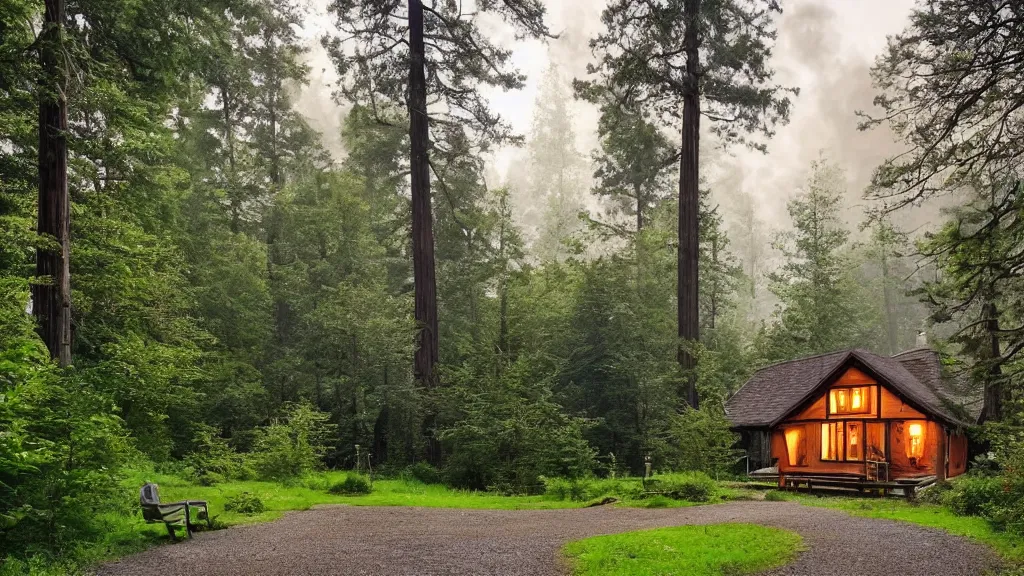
(192,278)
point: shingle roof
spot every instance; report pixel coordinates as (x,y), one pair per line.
(772,392)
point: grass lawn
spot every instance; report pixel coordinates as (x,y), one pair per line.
(1010,547)
(685,550)
(312,491)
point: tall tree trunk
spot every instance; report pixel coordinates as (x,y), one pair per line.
(52,300)
(424,282)
(689,329)
(422,221)
(639,208)
(992,409)
(890,312)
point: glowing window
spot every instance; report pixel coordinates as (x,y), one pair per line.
(854,441)
(796,446)
(850,400)
(915,440)
(832,443)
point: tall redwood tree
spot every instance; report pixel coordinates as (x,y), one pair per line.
(670,56)
(429,58)
(52,294)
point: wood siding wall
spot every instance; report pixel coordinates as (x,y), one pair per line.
(891,409)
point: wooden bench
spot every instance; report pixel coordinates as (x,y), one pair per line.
(172,514)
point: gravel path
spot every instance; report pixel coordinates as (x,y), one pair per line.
(358,540)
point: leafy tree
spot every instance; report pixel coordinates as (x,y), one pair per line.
(669,56)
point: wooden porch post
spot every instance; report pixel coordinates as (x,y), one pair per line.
(940,455)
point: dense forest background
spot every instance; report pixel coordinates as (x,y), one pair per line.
(238,286)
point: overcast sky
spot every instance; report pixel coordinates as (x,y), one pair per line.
(825,47)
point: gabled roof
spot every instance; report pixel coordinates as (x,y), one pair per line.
(775,391)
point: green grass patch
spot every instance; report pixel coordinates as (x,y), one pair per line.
(719,549)
(1009,546)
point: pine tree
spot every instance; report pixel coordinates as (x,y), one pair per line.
(557,170)
(635,158)
(672,55)
(387,66)
(820,309)
(52,294)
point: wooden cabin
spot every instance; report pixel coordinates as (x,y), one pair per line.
(853,419)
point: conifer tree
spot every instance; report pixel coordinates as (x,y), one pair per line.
(429,59)
(672,56)
(820,308)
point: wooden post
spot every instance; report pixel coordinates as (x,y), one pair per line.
(940,455)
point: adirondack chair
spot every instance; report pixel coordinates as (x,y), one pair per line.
(172,514)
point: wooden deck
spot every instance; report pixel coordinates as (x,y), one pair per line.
(907,487)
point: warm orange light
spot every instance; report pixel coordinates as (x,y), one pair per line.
(842,400)
(915,441)
(856,398)
(794,439)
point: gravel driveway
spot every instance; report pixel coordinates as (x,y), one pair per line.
(358,540)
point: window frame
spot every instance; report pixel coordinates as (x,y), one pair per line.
(871,400)
(803,440)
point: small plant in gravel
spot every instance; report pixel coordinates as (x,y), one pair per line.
(353,484)
(245,503)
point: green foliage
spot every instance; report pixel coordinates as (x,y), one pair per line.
(293,445)
(423,472)
(352,484)
(509,432)
(698,550)
(822,307)
(245,503)
(775,496)
(213,460)
(589,489)
(972,495)
(688,486)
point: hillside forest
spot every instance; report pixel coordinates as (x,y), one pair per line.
(193,279)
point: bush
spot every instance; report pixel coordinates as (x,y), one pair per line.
(423,472)
(213,461)
(245,503)
(587,489)
(972,495)
(352,484)
(294,446)
(775,496)
(689,486)
(507,431)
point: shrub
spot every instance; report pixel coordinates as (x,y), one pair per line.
(972,495)
(293,446)
(245,503)
(934,493)
(704,441)
(213,461)
(423,472)
(507,430)
(352,484)
(689,486)
(587,489)
(775,496)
